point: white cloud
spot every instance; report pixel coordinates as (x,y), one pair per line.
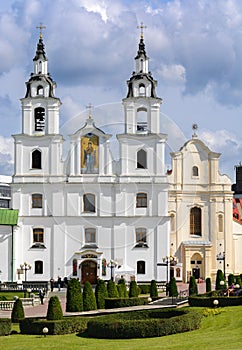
(174,73)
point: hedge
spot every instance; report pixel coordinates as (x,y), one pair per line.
(65,326)
(5,326)
(144,324)
(144,288)
(112,303)
(208,301)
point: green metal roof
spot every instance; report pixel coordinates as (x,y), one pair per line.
(8,217)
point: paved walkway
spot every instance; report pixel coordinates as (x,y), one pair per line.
(41,310)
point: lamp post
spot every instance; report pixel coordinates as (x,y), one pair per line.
(25,267)
(166,262)
(221,257)
(112,264)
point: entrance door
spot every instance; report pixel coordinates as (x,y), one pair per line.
(89,272)
(196,273)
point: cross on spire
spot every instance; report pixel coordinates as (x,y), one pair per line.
(141,27)
(89,107)
(40,27)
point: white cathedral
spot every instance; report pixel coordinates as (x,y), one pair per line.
(86,218)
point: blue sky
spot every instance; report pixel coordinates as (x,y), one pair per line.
(195,50)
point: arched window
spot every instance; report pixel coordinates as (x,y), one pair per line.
(196,221)
(74,267)
(40,90)
(141,90)
(38,235)
(39,118)
(141,267)
(141,200)
(178,272)
(38,267)
(90,235)
(36,159)
(141,159)
(195,171)
(89,203)
(220,223)
(141,237)
(36,200)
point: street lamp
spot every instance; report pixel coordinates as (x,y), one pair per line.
(221,257)
(166,262)
(112,264)
(25,267)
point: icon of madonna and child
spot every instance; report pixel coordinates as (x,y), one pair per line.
(89,154)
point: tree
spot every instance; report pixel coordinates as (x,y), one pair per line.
(101,293)
(89,300)
(238,281)
(54,311)
(193,286)
(112,289)
(231,279)
(220,280)
(17,312)
(133,290)
(122,290)
(153,289)
(208,285)
(173,292)
(74,300)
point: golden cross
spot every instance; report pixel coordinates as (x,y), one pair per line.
(89,108)
(40,27)
(141,27)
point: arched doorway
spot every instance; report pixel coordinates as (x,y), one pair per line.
(197,265)
(89,271)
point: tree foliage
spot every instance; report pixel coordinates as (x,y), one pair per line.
(17,312)
(133,289)
(54,311)
(101,293)
(74,300)
(193,286)
(220,280)
(153,289)
(122,290)
(208,285)
(112,289)
(173,292)
(89,300)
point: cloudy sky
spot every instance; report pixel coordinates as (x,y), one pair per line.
(195,50)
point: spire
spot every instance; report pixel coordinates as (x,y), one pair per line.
(40,52)
(141,50)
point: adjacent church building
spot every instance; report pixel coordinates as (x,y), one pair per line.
(87,217)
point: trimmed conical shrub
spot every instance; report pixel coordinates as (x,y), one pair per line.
(208,285)
(89,300)
(74,300)
(193,286)
(220,281)
(54,311)
(153,289)
(101,293)
(238,281)
(133,290)
(122,290)
(112,289)
(173,292)
(231,279)
(17,312)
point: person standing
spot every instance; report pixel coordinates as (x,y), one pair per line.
(52,281)
(59,283)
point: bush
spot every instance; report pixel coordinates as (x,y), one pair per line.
(220,278)
(112,303)
(5,326)
(89,300)
(238,281)
(67,325)
(208,285)
(143,324)
(144,288)
(122,290)
(133,290)
(17,312)
(74,300)
(54,311)
(173,292)
(231,279)
(112,289)
(208,301)
(153,289)
(192,286)
(101,293)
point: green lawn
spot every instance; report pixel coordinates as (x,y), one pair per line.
(223,331)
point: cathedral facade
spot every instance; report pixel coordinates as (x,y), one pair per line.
(83,217)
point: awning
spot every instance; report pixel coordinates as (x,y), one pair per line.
(125,269)
(9,217)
